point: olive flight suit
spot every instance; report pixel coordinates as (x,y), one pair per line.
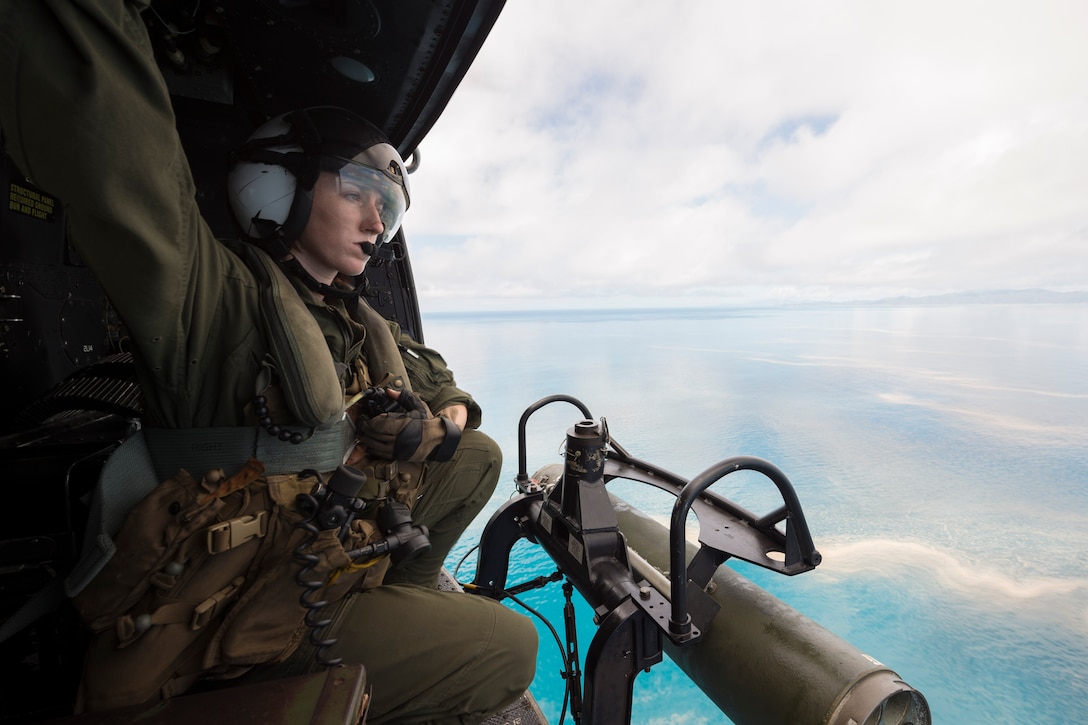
(86,115)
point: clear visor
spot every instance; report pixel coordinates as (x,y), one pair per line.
(370,186)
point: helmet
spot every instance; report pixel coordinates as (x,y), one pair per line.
(271,180)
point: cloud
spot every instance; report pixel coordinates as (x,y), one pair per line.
(724,150)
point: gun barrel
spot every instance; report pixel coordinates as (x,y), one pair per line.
(763,662)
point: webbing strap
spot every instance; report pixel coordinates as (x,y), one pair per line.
(199,450)
(126,477)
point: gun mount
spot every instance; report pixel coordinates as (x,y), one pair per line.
(706,617)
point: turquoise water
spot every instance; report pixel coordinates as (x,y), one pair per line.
(940,453)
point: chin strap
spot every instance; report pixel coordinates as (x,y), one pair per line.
(274,242)
(293,267)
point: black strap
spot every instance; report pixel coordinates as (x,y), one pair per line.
(294,267)
(448,446)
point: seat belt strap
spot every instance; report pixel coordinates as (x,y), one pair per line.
(198,450)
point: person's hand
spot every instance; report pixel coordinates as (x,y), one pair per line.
(413,435)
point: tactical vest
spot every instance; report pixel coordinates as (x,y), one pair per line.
(201,579)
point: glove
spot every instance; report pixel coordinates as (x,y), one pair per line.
(413,435)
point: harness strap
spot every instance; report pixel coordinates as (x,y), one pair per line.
(381,351)
(196,614)
(202,449)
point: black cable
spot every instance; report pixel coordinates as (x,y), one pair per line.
(462,561)
(311,587)
(562,651)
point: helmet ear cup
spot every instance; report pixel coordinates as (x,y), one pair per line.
(261,192)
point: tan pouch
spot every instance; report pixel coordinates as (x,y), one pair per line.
(206,580)
(269,621)
(159,598)
(150,539)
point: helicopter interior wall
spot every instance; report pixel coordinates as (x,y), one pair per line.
(52,310)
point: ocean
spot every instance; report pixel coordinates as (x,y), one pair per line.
(940,454)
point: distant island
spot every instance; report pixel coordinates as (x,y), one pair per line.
(977,297)
(985,297)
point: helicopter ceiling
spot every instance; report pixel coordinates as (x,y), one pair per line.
(396,62)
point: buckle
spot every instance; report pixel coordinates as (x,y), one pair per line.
(230,534)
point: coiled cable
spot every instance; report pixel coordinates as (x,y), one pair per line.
(311,586)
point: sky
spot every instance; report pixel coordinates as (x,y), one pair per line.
(620,153)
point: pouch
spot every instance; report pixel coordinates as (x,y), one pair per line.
(205,580)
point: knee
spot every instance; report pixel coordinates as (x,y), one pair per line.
(479,461)
(519,638)
(478,448)
(510,661)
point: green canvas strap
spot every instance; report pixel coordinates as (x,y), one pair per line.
(199,450)
(381,351)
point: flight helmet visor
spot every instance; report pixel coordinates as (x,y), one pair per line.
(366,185)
